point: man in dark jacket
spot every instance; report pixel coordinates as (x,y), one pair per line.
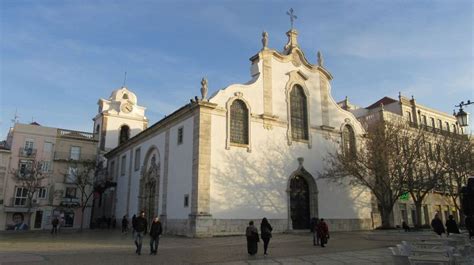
(451,226)
(141,226)
(437,225)
(155,232)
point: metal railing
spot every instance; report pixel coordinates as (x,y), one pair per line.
(67,156)
(27,152)
(75,134)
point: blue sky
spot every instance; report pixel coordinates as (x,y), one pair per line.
(59,57)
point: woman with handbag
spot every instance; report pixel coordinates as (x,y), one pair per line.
(252,239)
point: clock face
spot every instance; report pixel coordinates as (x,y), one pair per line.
(127,107)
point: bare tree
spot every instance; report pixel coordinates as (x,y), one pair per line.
(378,165)
(30,178)
(427,168)
(82,175)
(458,157)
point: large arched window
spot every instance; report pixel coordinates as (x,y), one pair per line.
(239,122)
(124,134)
(348,141)
(299,114)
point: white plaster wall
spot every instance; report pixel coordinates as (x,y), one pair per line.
(251,185)
(180,170)
(113,129)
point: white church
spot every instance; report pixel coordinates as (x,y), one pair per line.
(248,151)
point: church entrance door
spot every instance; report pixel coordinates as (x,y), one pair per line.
(299,203)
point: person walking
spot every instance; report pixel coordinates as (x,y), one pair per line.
(469,221)
(314,230)
(266,234)
(155,233)
(323,231)
(55,224)
(141,226)
(437,225)
(252,239)
(134,223)
(124,224)
(452,226)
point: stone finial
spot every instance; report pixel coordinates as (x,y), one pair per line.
(320,59)
(204,89)
(381,106)
(300,161)
(265,39)
(292,41)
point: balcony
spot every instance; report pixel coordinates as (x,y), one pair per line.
(66,156)
(70,202)
(76,134)
(25,152)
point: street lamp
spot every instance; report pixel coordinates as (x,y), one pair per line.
(462,116)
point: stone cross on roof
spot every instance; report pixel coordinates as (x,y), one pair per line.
(292,16)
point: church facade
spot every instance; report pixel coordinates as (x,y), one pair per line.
(248,151)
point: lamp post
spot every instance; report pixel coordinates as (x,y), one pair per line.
(462,116)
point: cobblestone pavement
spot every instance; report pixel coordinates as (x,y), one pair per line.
(111,247)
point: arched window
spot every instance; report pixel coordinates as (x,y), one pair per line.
(348,140)
(125,96)
(97,129)
(239,123)
(299,114)
(124,134)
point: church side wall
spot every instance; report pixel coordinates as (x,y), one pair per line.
(179,174)
(180,170)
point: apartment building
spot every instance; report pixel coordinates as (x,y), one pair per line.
(387,109)
(55,151)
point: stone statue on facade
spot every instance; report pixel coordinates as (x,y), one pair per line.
(265,39)
(320,59)
(204,89)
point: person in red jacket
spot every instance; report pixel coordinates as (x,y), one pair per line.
(323,232)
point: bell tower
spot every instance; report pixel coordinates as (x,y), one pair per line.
(118,119)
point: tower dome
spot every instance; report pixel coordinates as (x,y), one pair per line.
(122,94)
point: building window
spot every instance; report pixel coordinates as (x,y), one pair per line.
(42,193)
(186,200)
(123,166)
(125,96)
(25,167)
(180,135)
(408,116)
(433,124)
(239,122)
(21,196)
(454,128)
(124,134)
(75,153)
(447,126)
(299,114)
(29,144)
(70,192)
(97,128)
(112,170)
(425,122)
(349,141)
(440,124)
(71,176)
(137,159)
(45,166)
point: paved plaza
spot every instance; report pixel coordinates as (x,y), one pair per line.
(111,247)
